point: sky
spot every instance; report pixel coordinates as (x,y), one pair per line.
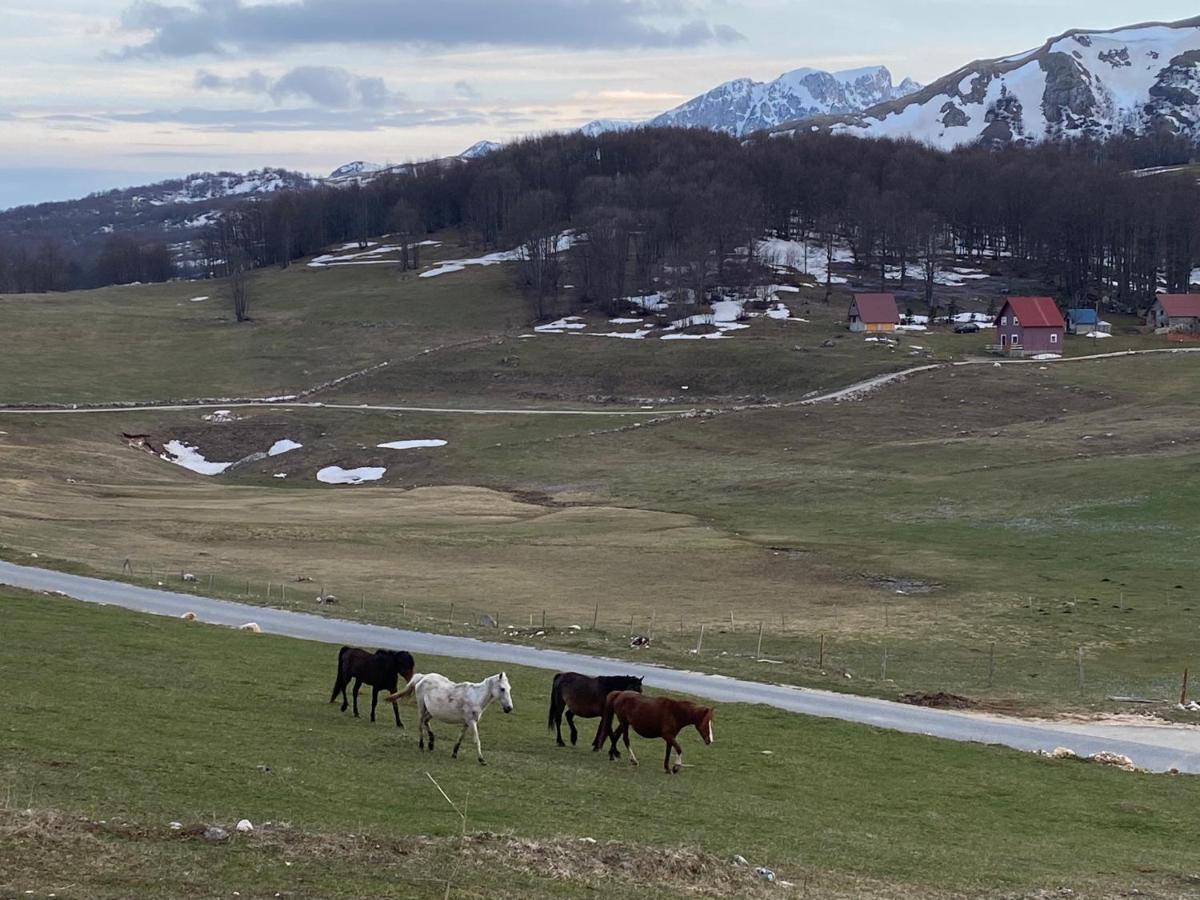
(108,93)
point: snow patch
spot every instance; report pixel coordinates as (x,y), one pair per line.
(283,446)
(412,444)
(338,475)
(189,457)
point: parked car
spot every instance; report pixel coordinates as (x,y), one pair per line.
(966,328)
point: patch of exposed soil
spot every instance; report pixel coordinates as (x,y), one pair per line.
(902,585)
(939,700)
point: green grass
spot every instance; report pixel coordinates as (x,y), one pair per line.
(1043,505)
(140,721)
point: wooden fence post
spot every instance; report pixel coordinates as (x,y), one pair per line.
(758,652)
(991,662)
(1079,661)
(653,613)
(821,657)
(595,615)
(700,640)
(1183,690)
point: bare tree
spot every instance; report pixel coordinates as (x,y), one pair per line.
(238,265)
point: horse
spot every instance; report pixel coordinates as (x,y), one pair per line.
(459,703)
(582,695)
(652,717)
(381,670)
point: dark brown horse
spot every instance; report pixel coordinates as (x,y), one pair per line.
(652,717)
(584,696)
(381,670)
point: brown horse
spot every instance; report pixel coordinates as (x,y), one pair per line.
(584,696)
(653,717)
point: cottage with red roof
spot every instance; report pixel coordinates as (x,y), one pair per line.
(1029,325)
(1175,312)
(873,312)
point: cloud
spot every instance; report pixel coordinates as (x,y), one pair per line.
(465,90)
(245,121)
(220,27)
(330,86)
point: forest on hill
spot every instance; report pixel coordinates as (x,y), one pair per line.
(683,207)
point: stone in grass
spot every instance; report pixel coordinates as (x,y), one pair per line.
(487,621)
(764,873)
(215,833)
(244,826)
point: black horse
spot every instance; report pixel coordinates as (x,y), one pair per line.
(381,670)
(583,695)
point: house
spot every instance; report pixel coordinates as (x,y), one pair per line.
(1084,321)
(1175,312)
(1029,325)
(873,312)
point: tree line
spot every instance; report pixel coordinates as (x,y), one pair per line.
(682,208)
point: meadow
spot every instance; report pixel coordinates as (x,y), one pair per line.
(149,721)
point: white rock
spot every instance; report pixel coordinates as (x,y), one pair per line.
(244,826)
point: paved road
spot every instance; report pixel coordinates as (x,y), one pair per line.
(1153,747)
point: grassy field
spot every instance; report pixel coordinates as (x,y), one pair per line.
(152,342)
(142,721)
(1026,513)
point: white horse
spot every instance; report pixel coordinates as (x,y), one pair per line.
(459,703)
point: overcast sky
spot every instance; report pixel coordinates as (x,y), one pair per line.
(103,93)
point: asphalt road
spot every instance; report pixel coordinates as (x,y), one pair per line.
(1157,748)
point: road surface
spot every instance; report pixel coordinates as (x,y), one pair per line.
(1154,747)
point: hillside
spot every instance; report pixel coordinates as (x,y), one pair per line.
(1085,83)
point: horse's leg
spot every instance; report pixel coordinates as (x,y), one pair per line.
(374,700)
(357,685)
(462,734)
(556,711)
(571,725)
(396,710)
(474,726)
(633,760)
(672,744)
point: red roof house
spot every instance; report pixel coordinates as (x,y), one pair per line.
(1029,325)
(873,312)
(1176,311)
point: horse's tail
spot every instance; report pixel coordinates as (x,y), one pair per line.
(339,681)
(407,692)
(556,702)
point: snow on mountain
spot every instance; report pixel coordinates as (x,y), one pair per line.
(1136,79)
(207,186)
(741,106)
(603,126)
(353,169)
(478,149)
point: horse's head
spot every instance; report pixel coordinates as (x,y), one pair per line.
(634,683)
(502,691)
(404,663)
(704,724)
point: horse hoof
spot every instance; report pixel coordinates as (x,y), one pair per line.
(675,770)
(482,762)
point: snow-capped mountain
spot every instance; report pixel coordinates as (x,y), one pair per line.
(352,170)
(741,106)
(478,149)
(1083,83)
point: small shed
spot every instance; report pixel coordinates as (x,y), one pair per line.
(873,312)
(1083,321)
(1175,312)
(1029,325)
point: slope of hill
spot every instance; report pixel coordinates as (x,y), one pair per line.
(1099,84)
(743,105)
